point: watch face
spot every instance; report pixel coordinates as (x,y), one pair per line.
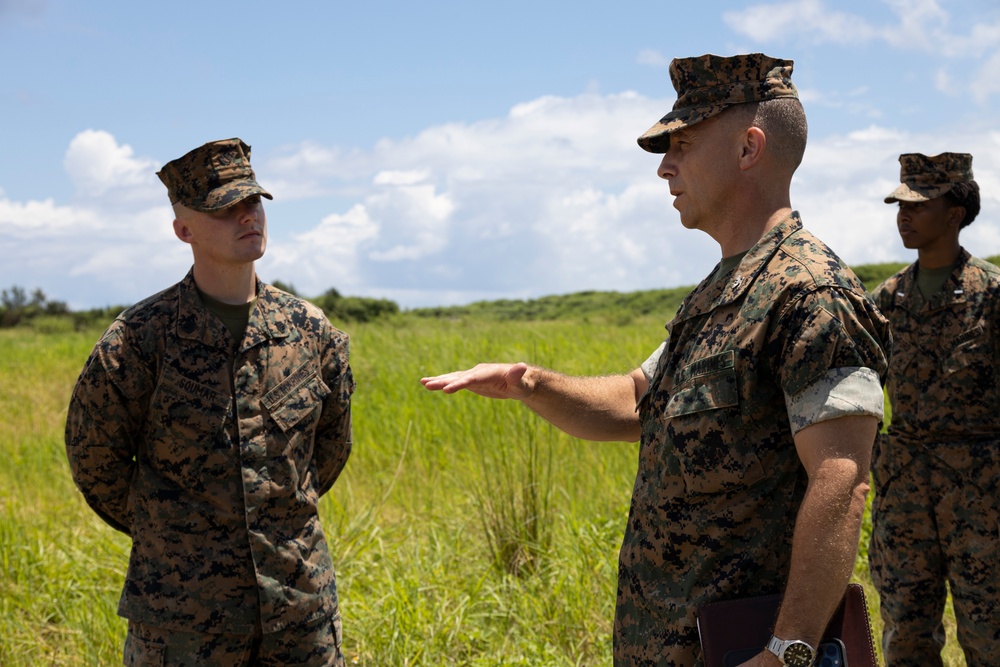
(798,654)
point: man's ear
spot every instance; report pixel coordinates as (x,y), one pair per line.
(752,147)
(182,231)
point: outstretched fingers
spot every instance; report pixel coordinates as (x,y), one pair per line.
(490,380)
(443,382)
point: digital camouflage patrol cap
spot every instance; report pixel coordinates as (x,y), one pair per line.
(708,84)
(212,177)
(924,178)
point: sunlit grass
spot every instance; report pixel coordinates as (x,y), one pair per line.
(408,523)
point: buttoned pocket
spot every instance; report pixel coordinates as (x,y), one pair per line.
(298,397)
(706,428)
(709,392)
(188,408)
(295,406)
(186,434)
(967,353)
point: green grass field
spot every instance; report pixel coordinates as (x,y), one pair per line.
(465,531)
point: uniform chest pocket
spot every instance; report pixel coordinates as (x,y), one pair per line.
(179,397)
(706,430)
(295,404)
(966,352)
(186,429)
(707,392)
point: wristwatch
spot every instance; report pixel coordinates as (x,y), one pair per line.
(792,652)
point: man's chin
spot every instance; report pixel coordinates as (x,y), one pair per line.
(688,223)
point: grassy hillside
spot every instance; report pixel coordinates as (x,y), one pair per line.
(613,306)
(618,306)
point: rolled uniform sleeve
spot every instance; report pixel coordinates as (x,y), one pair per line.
(652,361)
(832,359)
(840,393)
(102,426)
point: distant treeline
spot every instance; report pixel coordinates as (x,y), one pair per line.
(564,306)
(341,308)
(18,307)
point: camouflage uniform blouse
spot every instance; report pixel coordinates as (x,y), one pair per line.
(719,482)
(212,456)
(944,382)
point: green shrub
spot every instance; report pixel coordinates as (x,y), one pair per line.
(17,307)
(872,275)
(340,308)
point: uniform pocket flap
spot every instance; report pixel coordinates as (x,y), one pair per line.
(295,397)
(706,384)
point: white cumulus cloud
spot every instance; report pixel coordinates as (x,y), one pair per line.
(774,21)
(97,164)
(652,57)
(553,197)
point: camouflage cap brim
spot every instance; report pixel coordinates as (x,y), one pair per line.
(229,194)
(657,138)
(911,193)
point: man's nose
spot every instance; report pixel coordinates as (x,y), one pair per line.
(668,167)
(247,213)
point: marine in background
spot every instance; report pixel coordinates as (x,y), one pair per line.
(936,512)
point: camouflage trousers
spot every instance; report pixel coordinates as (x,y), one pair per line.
(931,523)
(316,644)
(646,644)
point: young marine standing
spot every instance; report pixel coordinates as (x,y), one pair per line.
(207,423)
(936,512)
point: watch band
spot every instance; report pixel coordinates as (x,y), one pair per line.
(792,652)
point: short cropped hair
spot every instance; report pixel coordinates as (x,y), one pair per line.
(783,121)
(965,195)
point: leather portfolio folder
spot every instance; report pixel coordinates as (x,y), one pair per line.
(733,631)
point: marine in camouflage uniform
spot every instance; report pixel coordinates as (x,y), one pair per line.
(776,352)
(936,515)
(210,443)
(719,483)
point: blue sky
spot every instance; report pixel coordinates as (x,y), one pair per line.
(444,152)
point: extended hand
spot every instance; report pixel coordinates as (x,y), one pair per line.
(489,380)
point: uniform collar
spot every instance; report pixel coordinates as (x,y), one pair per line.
(953,292)
(710,294)
(268,320)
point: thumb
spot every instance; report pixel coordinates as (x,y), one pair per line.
(516,383)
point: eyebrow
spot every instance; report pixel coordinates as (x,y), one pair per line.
(682,133)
